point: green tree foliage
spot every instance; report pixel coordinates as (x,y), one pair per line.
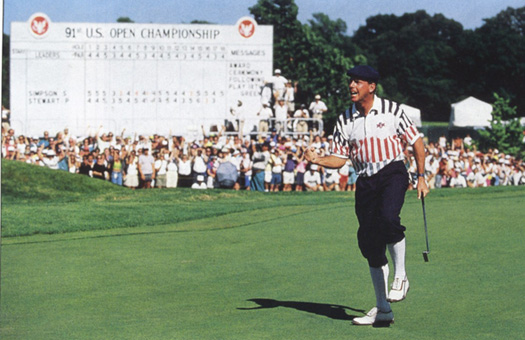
(202,22)
(5,70)
(315,55)
(125,19)
(414,54)
(282,14)
(430,61)
(325,56)
(505,132)
(499,57)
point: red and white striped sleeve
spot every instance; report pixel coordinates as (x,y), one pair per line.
(340,142)
(406,129)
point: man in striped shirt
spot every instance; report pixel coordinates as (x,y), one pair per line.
(373,133)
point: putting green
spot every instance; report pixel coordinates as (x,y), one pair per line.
(288,272)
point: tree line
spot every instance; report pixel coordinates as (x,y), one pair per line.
(425,61)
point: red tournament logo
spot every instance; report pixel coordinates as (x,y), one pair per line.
(380,125)
(39,24)
(246,27)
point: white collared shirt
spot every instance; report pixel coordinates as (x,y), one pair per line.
(375,140)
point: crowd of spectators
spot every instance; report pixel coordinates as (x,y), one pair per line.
(457,164)
(268,162)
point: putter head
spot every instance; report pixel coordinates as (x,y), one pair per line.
(425,255)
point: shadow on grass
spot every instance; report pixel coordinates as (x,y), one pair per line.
(336,312)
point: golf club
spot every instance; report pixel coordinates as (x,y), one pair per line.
(426,252)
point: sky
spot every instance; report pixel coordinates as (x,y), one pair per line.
(470,13)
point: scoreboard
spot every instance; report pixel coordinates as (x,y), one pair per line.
(145,78)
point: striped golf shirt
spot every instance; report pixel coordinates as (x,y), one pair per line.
(375,140)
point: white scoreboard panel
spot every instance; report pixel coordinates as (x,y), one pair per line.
(146,78)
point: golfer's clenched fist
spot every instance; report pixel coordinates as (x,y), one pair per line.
(311,155)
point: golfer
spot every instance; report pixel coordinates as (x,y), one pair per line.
(372,133)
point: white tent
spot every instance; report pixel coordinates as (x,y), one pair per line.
(470,113)
(412,113)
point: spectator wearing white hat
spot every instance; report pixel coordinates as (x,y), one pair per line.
(331,180)
(265,114)
(281,114)
(50,158)
(279,84)
(317,108)
(312,179)
(301,124)
(199,183)
(456,179)
(477,177)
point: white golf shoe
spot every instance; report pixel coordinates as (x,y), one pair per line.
(374,316)
(399,289)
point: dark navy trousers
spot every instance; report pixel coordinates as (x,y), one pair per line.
(378,202)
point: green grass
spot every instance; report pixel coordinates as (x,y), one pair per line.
(42,201)
(181,264)
(435,124)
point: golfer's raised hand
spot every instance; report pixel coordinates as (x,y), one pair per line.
(311,154)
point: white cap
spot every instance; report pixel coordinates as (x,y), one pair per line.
(317,96)
(277,71)
(200,178)
(314,167)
